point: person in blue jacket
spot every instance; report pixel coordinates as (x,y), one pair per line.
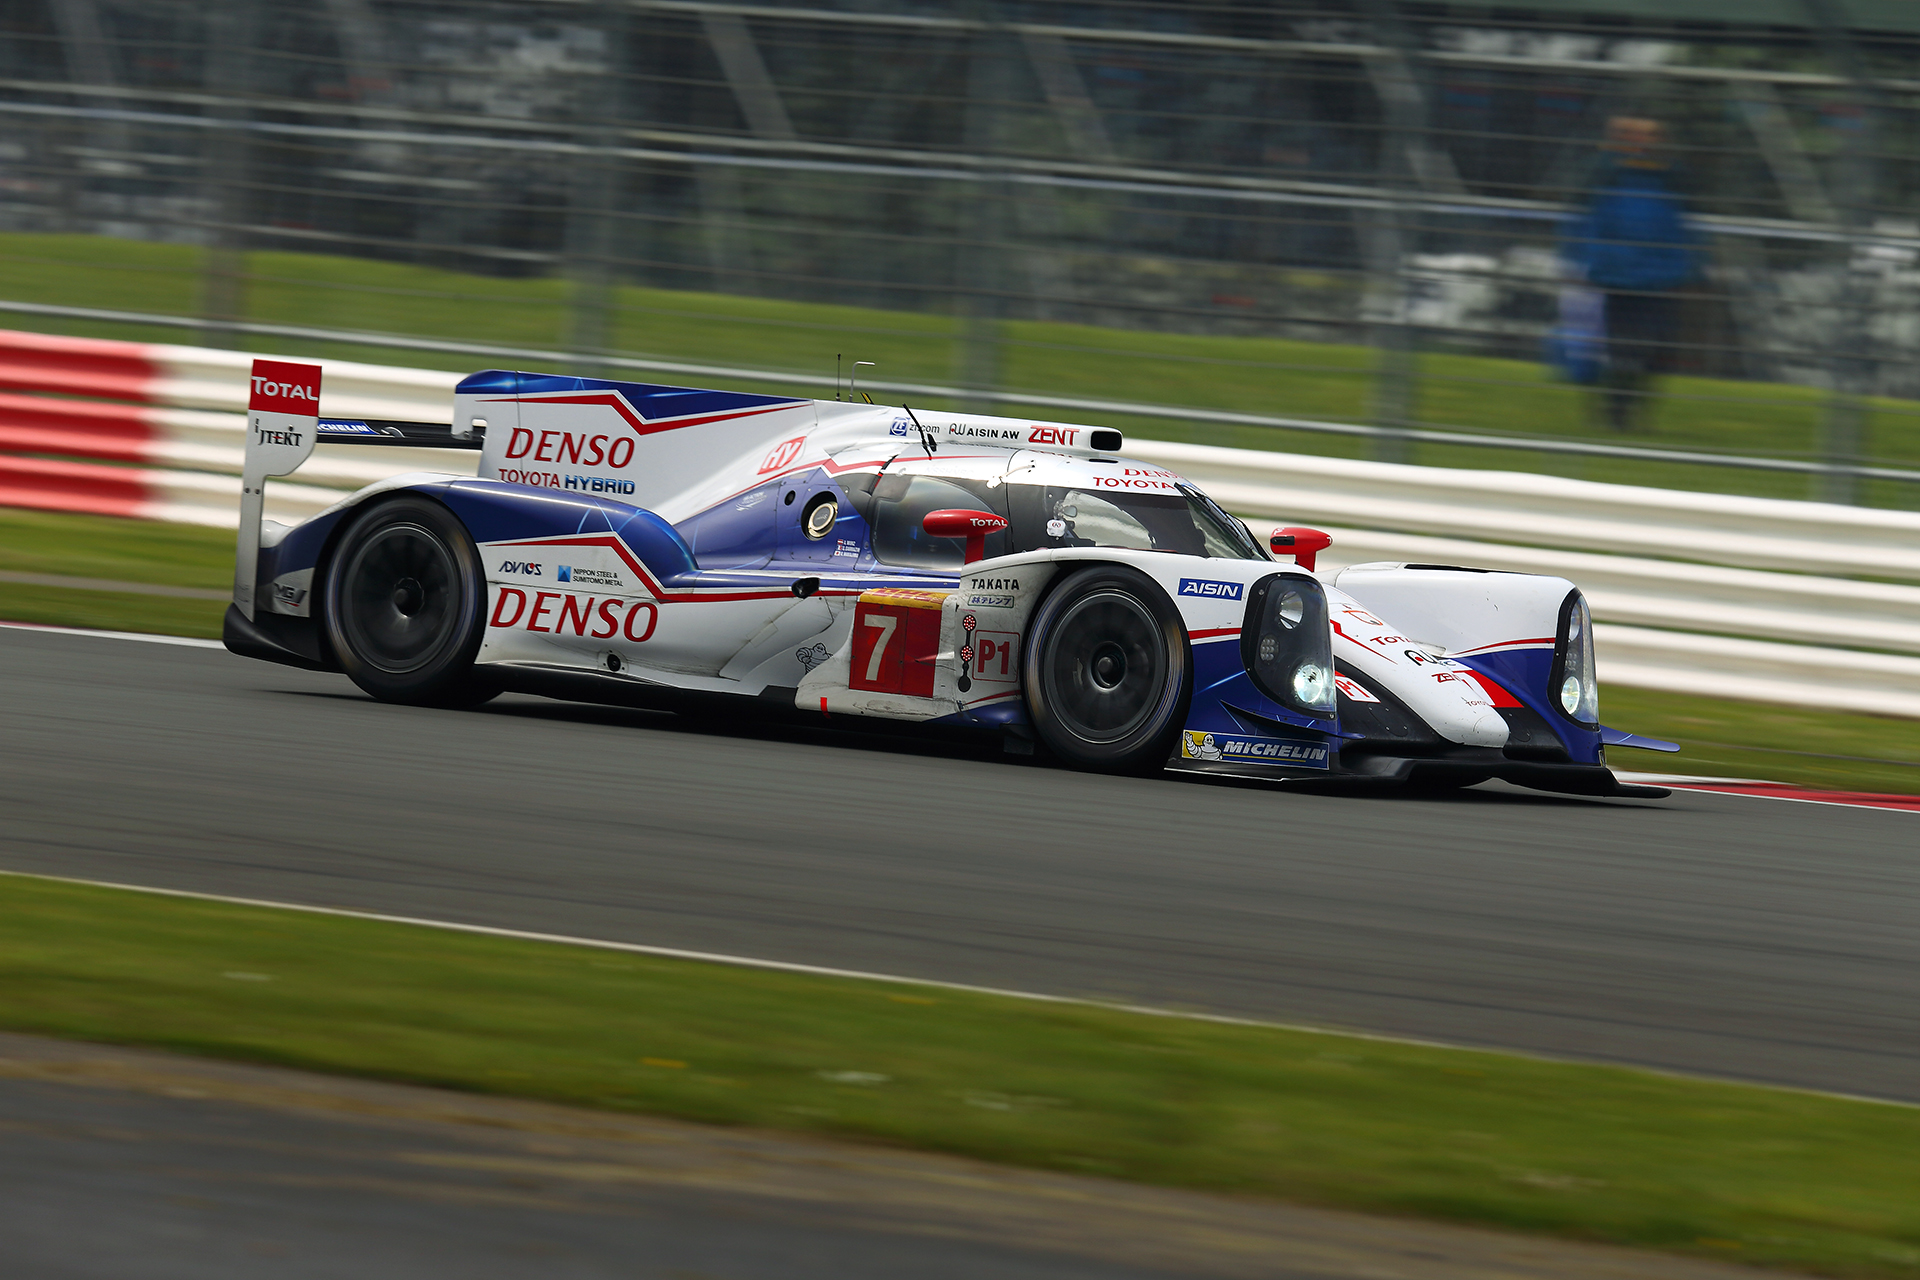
(1634,245)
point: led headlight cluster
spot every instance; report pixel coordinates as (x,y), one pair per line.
(1575,688)
(1286,644)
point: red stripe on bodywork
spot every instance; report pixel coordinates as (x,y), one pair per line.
(1536,642)
(1213,633)
(640,425)
(660,593)
(1495,690)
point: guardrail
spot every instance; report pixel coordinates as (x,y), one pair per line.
(1707,593)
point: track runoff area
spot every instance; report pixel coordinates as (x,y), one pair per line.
(1284,995)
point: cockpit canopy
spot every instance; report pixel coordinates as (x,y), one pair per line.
(1048,502)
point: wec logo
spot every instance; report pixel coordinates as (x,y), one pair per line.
(1208,589)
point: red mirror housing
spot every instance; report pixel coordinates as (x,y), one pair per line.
(1302,544)
(974,526)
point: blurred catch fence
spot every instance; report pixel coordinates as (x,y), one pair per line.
(1368,206)
(157,431)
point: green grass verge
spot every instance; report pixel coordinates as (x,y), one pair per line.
(1724,738)
(1248,374)
(1589,1152)
(105,547)
(1720,736)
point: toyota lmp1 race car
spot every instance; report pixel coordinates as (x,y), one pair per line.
(675,547)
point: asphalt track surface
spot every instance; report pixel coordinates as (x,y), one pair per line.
(120,1164)
(1739,937)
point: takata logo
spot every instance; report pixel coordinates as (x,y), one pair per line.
(1209,589)
(520,566)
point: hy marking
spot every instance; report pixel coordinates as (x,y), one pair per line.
(861,975)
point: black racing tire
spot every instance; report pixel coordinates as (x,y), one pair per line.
(404,605)
(1107,671)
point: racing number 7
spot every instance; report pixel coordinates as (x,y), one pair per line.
(886,622)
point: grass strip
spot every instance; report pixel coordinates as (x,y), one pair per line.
(1589,1152)
(1256,374)
(1721,737)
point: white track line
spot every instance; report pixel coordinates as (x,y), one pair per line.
(861,975)
(190,642)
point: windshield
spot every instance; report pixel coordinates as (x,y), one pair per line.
(1186,523)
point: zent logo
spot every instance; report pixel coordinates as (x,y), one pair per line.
(1052,435)
(783,454)
(1208,589)
(520,566)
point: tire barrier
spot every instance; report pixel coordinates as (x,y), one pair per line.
(1767,599)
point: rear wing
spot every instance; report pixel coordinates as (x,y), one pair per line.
(283,425)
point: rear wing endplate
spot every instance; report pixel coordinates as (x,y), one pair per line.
(283,424)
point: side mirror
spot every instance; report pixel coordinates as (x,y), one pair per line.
(974,526)
(1302,544)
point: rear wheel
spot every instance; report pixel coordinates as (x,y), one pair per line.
(1107,672)
(405,605)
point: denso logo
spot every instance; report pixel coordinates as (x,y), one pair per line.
(1207,588)
(1052,435)
(519,566)
(634,619)
(565,446)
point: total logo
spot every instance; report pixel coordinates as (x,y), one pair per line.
(1206,588)
(283,390)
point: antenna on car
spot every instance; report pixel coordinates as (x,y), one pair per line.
(926,436)
(836,375)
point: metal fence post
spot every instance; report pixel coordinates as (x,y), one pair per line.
(1403,123)
(978,263)
(233,25)
(1849,354)
(591,203)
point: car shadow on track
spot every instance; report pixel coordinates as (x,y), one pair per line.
(916,740)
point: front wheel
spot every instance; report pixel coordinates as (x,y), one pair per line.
(405,605)
(1107,673)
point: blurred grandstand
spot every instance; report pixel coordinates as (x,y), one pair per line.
(1355,174)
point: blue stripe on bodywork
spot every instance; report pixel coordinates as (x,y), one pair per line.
(653,401)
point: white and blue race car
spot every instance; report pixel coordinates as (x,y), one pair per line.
(674,547)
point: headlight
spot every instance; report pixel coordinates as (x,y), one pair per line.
(1310,684)
(1286,644)
(1574,682)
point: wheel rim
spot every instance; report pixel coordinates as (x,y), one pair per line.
(1105,666)
(401,598)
